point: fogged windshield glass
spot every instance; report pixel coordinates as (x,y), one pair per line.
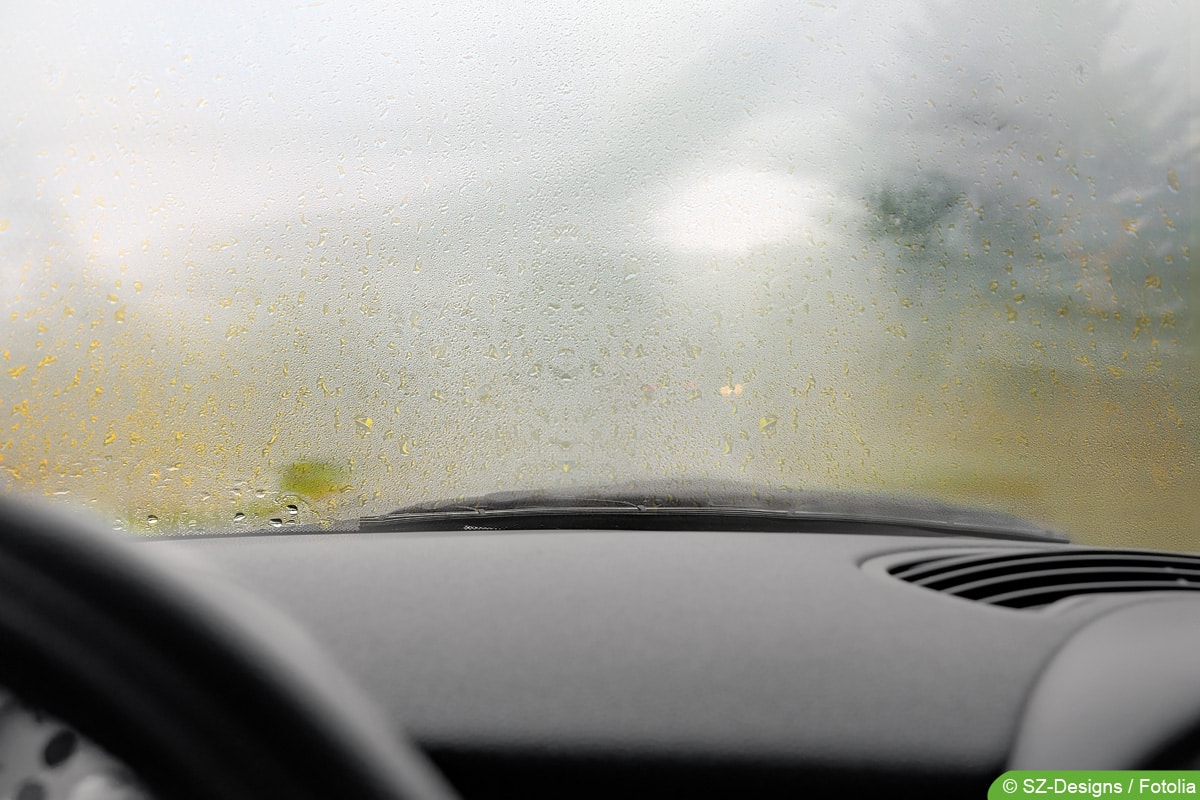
(304,262)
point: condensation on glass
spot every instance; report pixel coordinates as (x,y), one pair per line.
(266,266)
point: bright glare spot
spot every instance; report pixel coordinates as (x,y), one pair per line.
(738,211)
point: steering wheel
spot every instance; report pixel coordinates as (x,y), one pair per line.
(194,683)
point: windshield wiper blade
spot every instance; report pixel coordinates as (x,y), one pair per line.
(730,510)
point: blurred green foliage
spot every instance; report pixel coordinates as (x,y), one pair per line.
(313,479)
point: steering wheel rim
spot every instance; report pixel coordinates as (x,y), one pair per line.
(196,685)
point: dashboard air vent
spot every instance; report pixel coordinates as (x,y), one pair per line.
(1036,578)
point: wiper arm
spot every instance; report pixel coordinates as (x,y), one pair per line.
(806,512)
(507,506)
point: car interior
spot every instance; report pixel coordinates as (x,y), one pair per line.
(586,663)
(412,400)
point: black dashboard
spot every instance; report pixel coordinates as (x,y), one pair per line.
(653,663)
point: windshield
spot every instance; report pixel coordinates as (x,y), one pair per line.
(302,263)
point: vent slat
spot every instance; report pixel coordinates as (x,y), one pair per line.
(964,581)
(1042,596)
(930,569)
(1036,579)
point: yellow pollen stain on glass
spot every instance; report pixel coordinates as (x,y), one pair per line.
(1173,181)
(364,425)
(15,372)
(767,425)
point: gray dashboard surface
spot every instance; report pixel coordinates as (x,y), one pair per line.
(775,646)
(1130,680)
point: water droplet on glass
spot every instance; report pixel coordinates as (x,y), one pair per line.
(276,523)
(293,510)
(239,517)
(152,520)
(260,493)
